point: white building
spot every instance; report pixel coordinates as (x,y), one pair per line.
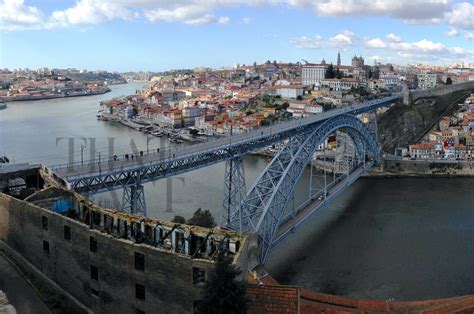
(340,84)
(426,80)
(287,91)
(312,74)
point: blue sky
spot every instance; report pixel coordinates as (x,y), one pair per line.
(123,35)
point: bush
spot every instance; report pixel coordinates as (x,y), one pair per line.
(178,219)
(202,218)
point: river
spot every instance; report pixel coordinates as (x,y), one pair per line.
(383,238)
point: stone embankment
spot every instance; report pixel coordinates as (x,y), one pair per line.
(422,168)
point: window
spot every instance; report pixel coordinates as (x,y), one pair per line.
(139,261)
(94,273)
(44,222)
(137,311)
(46,247)
(95,292)
(93,244)
(199,276)
(67,233)
(140,291)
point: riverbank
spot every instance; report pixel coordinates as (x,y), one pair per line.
(45,97)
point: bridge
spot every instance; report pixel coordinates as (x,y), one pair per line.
(265,208)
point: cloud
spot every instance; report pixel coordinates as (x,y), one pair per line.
(468,36)
(15,15)
(346,38)
(462,16)
(375,43)
(246,20)
(452,33)
(304,42)
(393,38)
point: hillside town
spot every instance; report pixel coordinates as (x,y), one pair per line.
(245,97)
(452,138)
(45,83)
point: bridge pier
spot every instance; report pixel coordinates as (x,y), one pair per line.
(133,198)
(234,192)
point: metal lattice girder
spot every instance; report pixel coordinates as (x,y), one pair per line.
(133,200)
(110,177)
(264,204)
(234,190)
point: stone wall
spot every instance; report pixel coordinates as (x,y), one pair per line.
(427,168)
(415,94)
(168,276)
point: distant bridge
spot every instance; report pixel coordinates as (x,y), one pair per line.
(263,209)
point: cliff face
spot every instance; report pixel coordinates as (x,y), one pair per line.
(403,125)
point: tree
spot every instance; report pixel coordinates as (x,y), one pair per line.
(330,74)
(224,292)
(178,219)
(449,81)
(338,74)
(299,97)
(193,132)
(202,218)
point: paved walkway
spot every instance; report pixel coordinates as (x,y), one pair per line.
(18,291)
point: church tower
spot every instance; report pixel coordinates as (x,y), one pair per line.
(338,59)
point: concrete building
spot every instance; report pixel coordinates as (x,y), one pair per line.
(426,80)
(287,91)
(110,261)
(312,74)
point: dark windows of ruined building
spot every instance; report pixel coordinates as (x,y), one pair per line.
(139,291)
(95,292)
(44,222)
(46,247)
(67,233)
(94,273)
(199,276)
(139,261)
(93,244)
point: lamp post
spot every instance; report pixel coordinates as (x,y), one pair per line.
(82,154)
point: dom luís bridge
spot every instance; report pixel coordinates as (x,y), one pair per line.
(265,208)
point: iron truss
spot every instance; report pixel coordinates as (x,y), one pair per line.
(118,178)
(263,207)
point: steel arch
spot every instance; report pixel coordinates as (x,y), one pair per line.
(265,202)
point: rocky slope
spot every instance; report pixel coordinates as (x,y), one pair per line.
(403,125)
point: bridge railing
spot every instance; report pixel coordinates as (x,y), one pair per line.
(168,153)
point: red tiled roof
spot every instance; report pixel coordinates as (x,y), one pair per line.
(272,299)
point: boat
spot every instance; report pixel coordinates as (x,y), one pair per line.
(3,105)
(175,140)
(158,133)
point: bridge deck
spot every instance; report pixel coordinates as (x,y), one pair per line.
(76,171)
(302,216)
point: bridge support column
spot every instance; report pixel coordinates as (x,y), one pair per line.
(234,191)
(133,199)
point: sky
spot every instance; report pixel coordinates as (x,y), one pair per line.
(157,35)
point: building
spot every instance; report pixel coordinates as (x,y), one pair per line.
(357,62)
(312,74)
(422,151)
(287,91)
(343,84)
(111,261)
(338,59)
(426,80)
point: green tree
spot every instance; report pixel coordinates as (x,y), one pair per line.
(338,74)
(449,81)
(202,218)
(178,219)
(299,97)
(224,292)
(330,74)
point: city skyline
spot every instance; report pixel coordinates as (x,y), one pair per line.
(156,36)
